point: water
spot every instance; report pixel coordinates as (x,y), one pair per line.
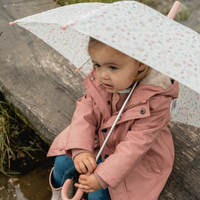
(33,185)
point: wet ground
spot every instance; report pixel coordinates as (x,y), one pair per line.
(33,167)
(31,186)
(28,159)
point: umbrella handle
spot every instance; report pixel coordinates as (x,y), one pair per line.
(174,10)
(64,191)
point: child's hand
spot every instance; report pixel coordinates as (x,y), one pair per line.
(88,183)
(85,162)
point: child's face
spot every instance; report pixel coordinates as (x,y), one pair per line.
(114,70)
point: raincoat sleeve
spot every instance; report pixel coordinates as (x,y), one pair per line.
(83,127)
(136,143)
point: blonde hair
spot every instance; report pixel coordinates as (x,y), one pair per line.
(93,43)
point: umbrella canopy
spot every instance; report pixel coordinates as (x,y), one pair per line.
(134,29)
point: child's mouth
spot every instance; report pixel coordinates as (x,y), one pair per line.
(107,86)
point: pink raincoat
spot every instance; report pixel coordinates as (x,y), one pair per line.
(139,155)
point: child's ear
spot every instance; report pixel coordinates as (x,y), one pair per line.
(142,71)
(141,67)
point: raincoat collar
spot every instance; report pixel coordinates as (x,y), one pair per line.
(124,91)
(98,93)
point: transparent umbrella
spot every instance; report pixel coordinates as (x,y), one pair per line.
(134,29)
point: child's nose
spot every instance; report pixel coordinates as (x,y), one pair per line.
(104,74)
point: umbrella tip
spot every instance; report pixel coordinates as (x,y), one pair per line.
(178,3)
(174,10)
(77,70)
(12,23)
(64,27)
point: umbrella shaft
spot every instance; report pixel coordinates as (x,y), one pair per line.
(115,122)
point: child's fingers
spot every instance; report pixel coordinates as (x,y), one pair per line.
(82,181)
(93,163)
(83,177)
(81,168)
(81,186)
(89,165)
(84,188)
(77,168)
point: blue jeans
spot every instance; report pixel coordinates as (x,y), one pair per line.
(64,169)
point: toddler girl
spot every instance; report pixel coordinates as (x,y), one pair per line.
(138,157)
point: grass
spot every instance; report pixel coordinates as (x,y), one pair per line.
(152,3)
(12,132)
(182,15)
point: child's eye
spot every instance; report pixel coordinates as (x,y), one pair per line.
(97,65)
(113,68)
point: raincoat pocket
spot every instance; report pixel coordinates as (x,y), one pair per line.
(153,163)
